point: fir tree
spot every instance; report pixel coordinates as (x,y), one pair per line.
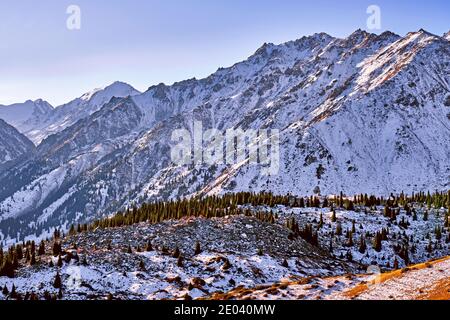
(333,216)
(377,242)
(41,250)
(33,260)
(362,245)
(176,253)
(180,261)
(57,283)
(59,263)
(198,250)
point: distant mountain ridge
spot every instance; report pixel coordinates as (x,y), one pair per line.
(38,119)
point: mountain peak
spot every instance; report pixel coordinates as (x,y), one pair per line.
(359,33)
(119,84)
(447,35)
(115,89)
(421,32)
(264,49)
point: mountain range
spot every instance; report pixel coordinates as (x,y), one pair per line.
(364,114)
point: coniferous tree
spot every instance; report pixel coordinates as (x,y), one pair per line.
(56,248)
(350,240)
(149,247)
(338,229)
(59,263)
(362,245)
(180,261)
(13,293)
(333,216)
(5,290)
(198,250)
(377,242)
(41,250)
(57,283)
(32,259)
(176,253)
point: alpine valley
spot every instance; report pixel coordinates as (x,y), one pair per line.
(364,115)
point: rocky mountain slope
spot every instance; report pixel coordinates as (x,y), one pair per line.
(426,281)
(368,113)
(120,262)
(13,144)
(251,256)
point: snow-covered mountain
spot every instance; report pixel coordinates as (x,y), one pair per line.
(80,108)
(20,115)
(12,144)
(365,114)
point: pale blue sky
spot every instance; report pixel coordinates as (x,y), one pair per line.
(145,42)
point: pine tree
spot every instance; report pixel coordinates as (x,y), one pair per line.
(350,240)
(13,292)
(59,263)
(180,261)
(32,259)
(142,266)
(5,290)
(320,221)
(57,283)
(333,216)
(285,264)
(377,242)
(176,253)
(338,229)
(362,245)
(56,248)
(198,250)
(149,246)
(41,250)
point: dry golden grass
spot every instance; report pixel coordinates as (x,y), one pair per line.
(440,291)
(363,287)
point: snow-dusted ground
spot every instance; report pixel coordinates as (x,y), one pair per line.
(230,257)
(240,257)
(423,282)
(372,221)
